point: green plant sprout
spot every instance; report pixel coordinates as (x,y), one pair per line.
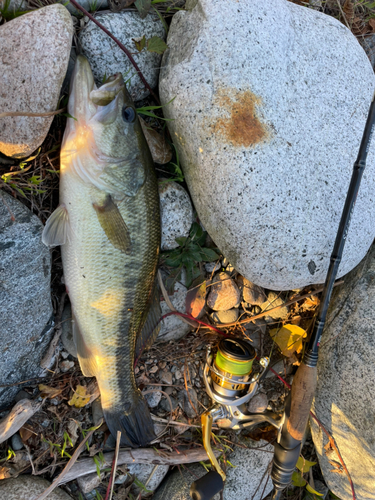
(189,253)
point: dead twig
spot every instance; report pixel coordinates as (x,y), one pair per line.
(38,115)
(111,483)
(138,456)
(17,417)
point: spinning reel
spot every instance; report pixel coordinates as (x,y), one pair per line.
(231,384)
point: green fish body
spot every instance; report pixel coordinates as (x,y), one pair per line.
(108,225)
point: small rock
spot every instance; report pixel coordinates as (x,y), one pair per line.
(273,300)
(251,293)
(21,487)
(280,369)
(168,390)
(66,365)
(143,471)
(224,293)
(67,331)
(64,354)
(89,5)
(89,482)
(184,402)
(142,379)
(166,406)
(162,364)
(166,377)
(172,327)
(22,395)
(176,213)
(16,442)
(222,317)
(178,374)
(106,58)
(36,46)
(153,369)
(153,398)
(212,267)
(258,404)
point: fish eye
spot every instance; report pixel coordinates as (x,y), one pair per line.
(128,114)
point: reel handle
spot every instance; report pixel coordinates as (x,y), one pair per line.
(207,486)
(206,420)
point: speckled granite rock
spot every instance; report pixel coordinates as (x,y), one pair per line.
(176,213)
(106,57)
(25,297)
(272,301)
(35,51)
(244,481)
(267,119)
(29,488)
(252,294)
(344,399)
(224,293)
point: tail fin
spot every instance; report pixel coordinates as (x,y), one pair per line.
(136,426)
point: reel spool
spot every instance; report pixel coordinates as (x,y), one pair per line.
(232,367)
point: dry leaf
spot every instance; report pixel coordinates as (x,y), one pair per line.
(195,300)
(310,303)
(80,397)
(288,338)
(26,432)
(5,472)
(72,430)
(160,150)
(49,392)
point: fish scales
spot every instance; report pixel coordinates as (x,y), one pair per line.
(108,225)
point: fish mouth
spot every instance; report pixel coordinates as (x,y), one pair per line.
(85,97)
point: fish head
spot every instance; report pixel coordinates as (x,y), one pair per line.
(104,126)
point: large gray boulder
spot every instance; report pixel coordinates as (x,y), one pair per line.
(344,400)
(25,298)
(35,51)
(267,119)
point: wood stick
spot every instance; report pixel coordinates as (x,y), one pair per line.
(140,456)
(17,417)
(38,115)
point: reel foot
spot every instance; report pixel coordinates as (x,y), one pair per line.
(207,486)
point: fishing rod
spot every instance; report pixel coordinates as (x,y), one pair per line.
(230,383)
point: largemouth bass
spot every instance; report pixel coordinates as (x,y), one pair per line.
(108,226)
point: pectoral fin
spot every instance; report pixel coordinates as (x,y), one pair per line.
(113,225)
(55,231)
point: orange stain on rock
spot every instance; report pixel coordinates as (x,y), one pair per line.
(240,124)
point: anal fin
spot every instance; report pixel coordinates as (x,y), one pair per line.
(86,360)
